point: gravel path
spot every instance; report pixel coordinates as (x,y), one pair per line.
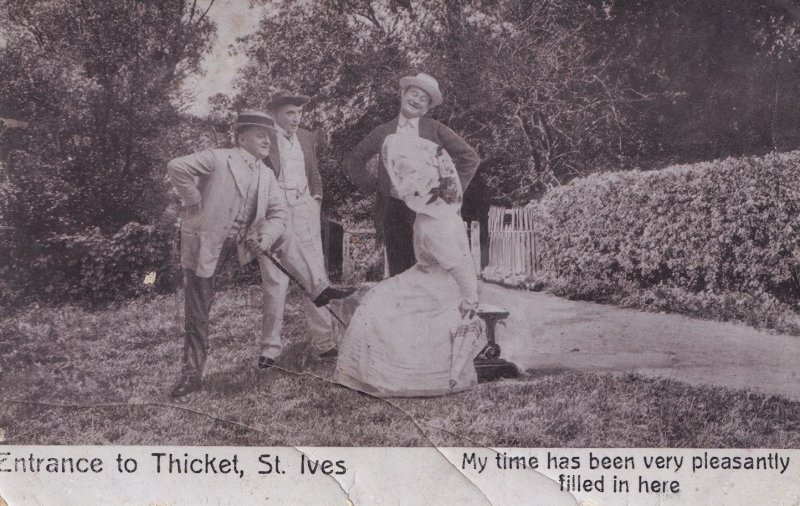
(547,333)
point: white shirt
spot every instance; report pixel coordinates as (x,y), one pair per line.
(293,163)
(407,126)
(248,209)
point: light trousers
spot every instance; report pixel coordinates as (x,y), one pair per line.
(301,254)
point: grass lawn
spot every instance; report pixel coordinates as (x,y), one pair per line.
(70,376)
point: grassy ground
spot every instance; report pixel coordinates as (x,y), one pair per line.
(68,376)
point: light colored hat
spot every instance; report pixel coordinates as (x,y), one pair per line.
(426,83)
(252,117)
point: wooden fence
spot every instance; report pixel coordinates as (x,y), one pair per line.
(512,240)
(356,242)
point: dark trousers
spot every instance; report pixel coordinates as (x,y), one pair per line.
(199,294)
(398,234)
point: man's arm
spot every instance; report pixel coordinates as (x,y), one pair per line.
(185,173)
(316,146)
(355,163)
(464,157)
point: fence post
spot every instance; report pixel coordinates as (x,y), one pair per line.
(347,266)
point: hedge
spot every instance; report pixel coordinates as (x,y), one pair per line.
(89,266)
(718,238)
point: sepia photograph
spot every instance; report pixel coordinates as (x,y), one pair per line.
(400,223)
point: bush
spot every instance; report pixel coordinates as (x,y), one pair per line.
(89,266)
(715,238)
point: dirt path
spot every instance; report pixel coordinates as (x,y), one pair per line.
(545,332)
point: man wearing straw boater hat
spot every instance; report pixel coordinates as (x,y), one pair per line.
(394,221)
(293,158)
(232,205)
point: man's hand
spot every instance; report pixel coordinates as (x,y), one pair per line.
(468,309)
(254,246)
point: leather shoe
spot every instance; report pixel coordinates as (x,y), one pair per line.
(332,353)
(265,362)
(186,385)
(332,293)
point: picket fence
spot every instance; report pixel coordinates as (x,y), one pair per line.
(512,240)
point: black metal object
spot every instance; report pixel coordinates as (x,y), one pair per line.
(332,238)
(488,363)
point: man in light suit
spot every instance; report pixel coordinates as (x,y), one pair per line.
(394,221)
(231,203)
(293,158)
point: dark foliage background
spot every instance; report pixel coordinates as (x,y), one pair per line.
(547,90)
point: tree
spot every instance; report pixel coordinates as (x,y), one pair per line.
(723,73)
(533,104)
(548,90)
(99,84)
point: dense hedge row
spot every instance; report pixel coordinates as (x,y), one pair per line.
(720,238)
(90,266)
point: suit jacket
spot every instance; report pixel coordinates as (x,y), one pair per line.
(217,179)
(464,157)
(309,144)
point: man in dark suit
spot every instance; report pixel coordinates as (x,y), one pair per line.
(394,221)
(293,158)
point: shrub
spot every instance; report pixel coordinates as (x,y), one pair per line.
(721,226)
(715,238)
(89,266)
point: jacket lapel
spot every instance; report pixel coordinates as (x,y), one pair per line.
(241,172)
(427,129)
(391,127)
(384,181)
(274,155)
(305,146)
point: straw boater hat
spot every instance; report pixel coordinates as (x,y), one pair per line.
(426,83)
(252,117)
(285,97)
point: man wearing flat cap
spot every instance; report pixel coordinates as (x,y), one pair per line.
(232,205)
(394,221)
(293,158)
